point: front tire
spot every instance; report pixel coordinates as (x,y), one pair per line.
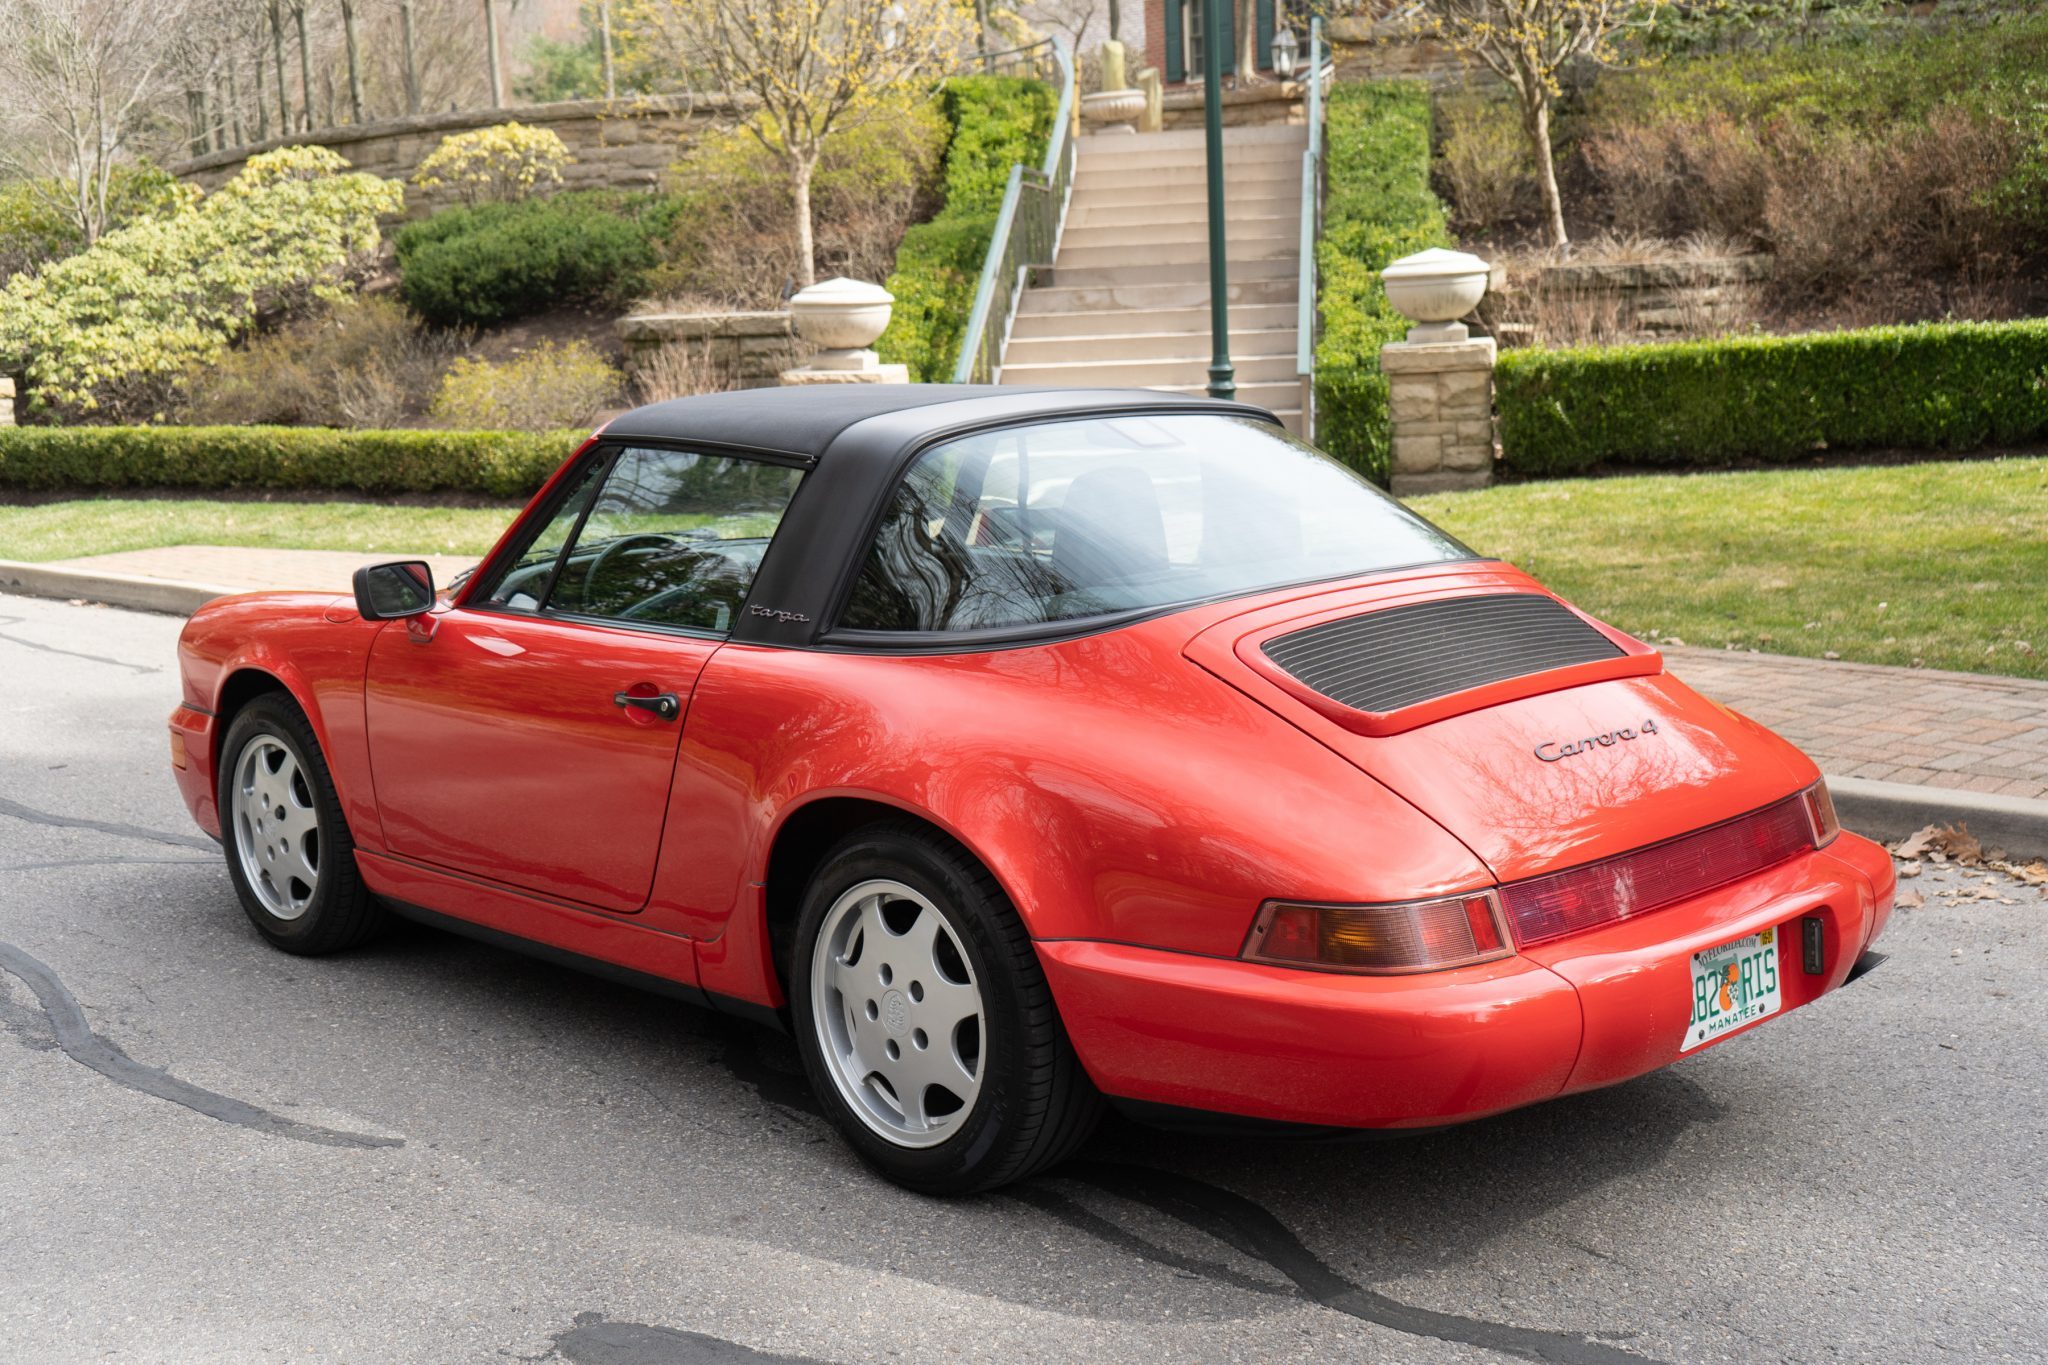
(289,852)
(925,1023)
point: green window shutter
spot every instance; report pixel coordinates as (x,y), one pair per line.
(1265,35)
(1176,61)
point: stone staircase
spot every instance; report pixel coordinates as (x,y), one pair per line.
(1127,299)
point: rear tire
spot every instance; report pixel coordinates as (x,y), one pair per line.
(925,1022)
(288,848)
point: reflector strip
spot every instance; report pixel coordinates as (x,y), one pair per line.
(1635,883)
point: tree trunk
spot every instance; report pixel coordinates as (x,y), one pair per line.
(800,191)
(195,122)
(305,67)
(1536,123)
(604,19)
(234,104)
(355,64)
(1116,25)
(1247,41)
(491,42)
(262,99)
(284,94)
(412,69)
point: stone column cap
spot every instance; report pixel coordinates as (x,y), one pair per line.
(1434,357)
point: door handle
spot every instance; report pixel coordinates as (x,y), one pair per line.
(668,706)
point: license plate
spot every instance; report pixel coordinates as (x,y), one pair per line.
(1732,985)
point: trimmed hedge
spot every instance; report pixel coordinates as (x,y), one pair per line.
(507,464)
(1377,209)
(1937,386)
(497,262)
(996,122)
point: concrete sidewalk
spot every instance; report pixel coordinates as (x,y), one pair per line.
(1902,748)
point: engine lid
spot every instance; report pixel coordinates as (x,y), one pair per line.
(1538,736)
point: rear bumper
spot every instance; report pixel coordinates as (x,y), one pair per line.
(1304,1047)
(192,740)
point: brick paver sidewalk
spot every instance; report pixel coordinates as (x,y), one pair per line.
(1965,731)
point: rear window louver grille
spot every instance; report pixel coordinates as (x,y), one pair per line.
(1385,660)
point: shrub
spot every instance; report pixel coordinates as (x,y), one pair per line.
(496,262)
(492,463)
(1940,386)
(996,121)
(363,362)
(734,244)
(1378,208)
(1485,160)
(115,325)
(508,161)
(548,387)
(35,229)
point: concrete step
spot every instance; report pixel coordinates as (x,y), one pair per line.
(1169,347)
(1247,250)
(1175,139)
(1058,297)
(1193,272)
(1186,198)
(1253,179)
(1251,369)
(1190,215)
(1134,322)
(1277,397)
(1139,236)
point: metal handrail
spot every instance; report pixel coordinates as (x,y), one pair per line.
(1311,230)
(1027,233)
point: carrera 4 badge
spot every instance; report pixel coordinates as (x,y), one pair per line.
(1551,750)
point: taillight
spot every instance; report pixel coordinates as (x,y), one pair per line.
(1820,810)
(1408,936)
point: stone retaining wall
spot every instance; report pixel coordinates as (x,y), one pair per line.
(740,350)
(1648,299)
(616,144)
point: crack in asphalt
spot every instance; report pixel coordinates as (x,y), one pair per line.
(1249,1228)
(74,654)
(108,862)
(16,810)
(88,1049)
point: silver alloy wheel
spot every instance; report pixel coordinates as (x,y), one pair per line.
(277,831)
(898,1012)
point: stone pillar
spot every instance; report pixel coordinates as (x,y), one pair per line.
(6,401)
(1440,400)
(843,318)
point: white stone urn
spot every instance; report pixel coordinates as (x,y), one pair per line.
(843,318)
(1435,288)
(1113,111)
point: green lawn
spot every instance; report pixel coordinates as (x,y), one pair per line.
(1944,563)
(96,526)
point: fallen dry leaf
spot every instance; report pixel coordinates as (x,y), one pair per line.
(1939,843)
(1915,844)
(1909,869)
(1910,900)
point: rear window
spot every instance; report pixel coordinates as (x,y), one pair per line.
(1066,520)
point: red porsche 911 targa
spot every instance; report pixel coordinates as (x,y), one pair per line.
(1020,750)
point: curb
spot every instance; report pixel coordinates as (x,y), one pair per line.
(1889,811)
(167,595)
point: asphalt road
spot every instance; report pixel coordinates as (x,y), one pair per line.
(436,1151)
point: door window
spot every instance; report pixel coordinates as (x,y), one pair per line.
(673,538)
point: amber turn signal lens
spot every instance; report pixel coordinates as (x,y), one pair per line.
(178,757)
(1820,809)
(1409,936)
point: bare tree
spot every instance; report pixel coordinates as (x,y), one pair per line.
(76,79)
(1527,45)
(355,61)
(812,67)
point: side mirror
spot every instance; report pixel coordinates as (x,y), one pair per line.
(388,592)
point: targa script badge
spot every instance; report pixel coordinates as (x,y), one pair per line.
(1550,751)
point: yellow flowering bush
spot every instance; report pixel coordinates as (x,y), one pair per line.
(151,299)
(548,388)
(507,161)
